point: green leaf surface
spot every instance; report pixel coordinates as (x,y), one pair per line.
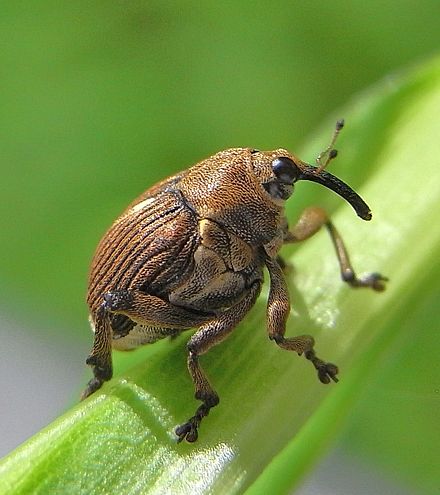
(274,417)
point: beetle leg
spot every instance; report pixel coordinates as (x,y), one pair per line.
(121,326)
(278,308)
(207,336)
(142,307)
(100,359)
(311,220)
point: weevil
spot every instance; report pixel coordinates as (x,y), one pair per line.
(190,253)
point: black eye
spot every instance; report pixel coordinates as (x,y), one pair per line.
(285,170)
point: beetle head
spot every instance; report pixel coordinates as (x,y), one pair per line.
(279,170)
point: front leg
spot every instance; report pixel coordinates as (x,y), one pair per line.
(278,308)
(309,223)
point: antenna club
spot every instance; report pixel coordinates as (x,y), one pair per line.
(329,153)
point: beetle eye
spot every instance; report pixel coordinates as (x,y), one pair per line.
(285,170)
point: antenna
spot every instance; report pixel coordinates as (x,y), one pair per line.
(326,156)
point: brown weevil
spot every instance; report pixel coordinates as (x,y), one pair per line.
(190,253)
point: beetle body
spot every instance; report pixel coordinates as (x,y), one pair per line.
(190,253)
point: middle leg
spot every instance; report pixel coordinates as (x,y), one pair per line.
(207,336)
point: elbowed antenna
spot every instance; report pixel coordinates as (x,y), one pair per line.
(307,172)
(326,156)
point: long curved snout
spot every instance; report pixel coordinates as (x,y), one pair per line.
(338,186)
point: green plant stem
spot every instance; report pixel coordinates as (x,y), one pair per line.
(121,440)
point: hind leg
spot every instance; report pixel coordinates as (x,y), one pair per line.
(100,358)
(139,307)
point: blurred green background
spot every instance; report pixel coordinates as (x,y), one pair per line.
(101,99)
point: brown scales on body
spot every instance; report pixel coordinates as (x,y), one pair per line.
(190,253)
